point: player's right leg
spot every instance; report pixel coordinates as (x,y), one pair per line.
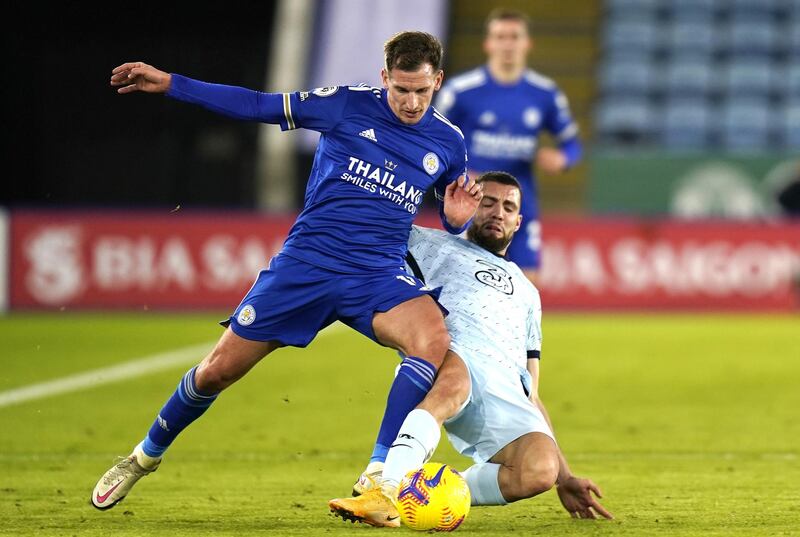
(526,467)
(231,358)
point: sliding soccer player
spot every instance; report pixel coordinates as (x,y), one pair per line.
(487,392)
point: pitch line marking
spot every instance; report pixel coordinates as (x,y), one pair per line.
(138,367)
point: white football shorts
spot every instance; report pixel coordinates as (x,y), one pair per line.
(497,412)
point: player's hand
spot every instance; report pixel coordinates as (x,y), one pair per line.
(461,199)
(575,494)
(551,161)
(138,76)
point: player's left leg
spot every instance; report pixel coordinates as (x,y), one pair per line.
(524,468)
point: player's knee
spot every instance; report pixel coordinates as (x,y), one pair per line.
(212,376)
(447,396)
(432,345)
(537,477)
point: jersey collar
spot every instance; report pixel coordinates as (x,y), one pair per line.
(498,84)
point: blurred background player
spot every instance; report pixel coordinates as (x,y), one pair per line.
(501,107)
(487,392)
(343,257)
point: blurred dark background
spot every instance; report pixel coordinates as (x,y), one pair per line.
(73,140)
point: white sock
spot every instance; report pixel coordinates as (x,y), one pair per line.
(418,437)
(483,484)
(374,467)
(145,461)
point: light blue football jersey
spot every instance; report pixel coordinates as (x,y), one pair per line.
(494,311)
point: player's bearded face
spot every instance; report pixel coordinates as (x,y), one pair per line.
(410,93)
(497,217)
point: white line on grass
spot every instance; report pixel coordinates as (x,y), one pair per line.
(115,373)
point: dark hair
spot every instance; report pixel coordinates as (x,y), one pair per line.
(499,177)
(408,51)
(505,14)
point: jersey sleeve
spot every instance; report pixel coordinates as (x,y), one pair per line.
(558,120)
(534,344)
(231,101)
(319,110)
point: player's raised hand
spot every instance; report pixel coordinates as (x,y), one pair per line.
(575,494)
(138,76)
(461,199)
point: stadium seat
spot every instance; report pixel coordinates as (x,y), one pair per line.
(789,119)
(748,78)
(632,35)
(745,124)
(697,10)
(793,46)
(750,38)
(686,124)
(691,38)
(625,121)
(791,79)
(688,76)
(627,76)
(623,6)
(753,8)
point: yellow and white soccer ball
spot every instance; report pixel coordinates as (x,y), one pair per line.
(435,497)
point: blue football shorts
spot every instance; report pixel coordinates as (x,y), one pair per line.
(291,301)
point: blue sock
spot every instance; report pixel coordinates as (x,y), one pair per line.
(412,383)
(186,405)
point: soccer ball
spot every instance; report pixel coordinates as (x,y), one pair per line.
(435,497)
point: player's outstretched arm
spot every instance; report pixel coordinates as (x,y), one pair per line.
(574,492)
(138,76)
(231,101)
(461,199)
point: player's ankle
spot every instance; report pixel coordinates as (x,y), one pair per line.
(144,460)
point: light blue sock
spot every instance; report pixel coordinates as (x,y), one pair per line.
(484,488)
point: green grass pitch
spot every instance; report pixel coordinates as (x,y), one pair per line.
(689,423)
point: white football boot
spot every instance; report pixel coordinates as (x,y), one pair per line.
(120,478)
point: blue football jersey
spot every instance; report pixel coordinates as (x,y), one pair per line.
(370,170)
(502,122)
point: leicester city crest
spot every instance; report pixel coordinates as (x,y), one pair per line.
(431,163)
(246,315)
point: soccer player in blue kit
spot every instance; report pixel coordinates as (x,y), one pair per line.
(343,259)
(501,108)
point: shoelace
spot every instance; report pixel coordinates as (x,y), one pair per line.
(123,467)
